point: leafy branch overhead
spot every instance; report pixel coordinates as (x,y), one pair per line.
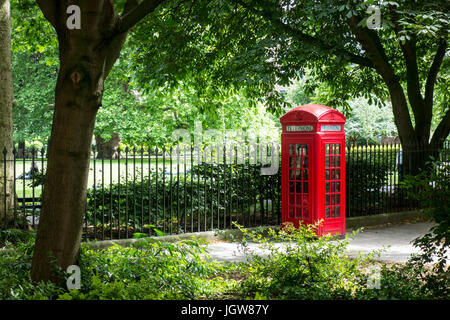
(259,44)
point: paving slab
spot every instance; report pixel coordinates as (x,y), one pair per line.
(395,240)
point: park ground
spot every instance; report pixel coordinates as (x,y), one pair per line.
(249,266)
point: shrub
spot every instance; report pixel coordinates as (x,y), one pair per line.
(149,270)
(173,203)
(15,264)
(14,237)
(306,268)
(402,282)
(365,179)
(431,188)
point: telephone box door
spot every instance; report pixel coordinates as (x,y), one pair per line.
(334,189)
(299,199)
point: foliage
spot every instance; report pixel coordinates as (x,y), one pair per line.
(431,188)
(140,119)
(34,86)
(367,173)
(14,236)
(255,46)
(31,34)
(368,123)
(35,69)
(306,267)
(15,263)
(318,268)
(403,282)
(121,110)
(229,114)
(297,95)
(151,269)
(171,201)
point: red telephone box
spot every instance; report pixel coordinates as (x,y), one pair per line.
(313,168)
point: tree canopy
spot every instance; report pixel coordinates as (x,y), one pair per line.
(255,45)
(142,115)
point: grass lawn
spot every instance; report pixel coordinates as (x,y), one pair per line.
(108,171)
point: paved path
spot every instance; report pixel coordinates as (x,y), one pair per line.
(396,240)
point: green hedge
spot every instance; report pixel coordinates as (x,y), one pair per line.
(206,192)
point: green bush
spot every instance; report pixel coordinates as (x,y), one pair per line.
(402,282)
(149,270)
(306,268)
(365,179)
(14,236)
(318,268)
(365,176)
(161,201)
(15,263)
(431,188)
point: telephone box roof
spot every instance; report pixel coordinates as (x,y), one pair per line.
(313,112)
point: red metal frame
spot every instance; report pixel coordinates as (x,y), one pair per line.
(313,168)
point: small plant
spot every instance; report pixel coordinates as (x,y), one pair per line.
(14,237)
(150,269)
(304,267)
(431,188)
(152,228)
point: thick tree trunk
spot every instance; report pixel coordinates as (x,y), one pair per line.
(78,97)
(86,57)
(108,149)
(6,128)
(87,54)
(64,198)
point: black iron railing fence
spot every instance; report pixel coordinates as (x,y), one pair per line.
(179,190)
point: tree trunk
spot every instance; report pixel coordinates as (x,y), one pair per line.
(86,54)
(21,152)
(78,97)
(64,197)
(86,57)
(6,128)
(108,149)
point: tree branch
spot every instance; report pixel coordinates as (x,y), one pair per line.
(408,48)
(371,43)
(422,113)
(128,20)
(412,75)
(118,38)
(303,37)
(434,71)
(50,10)
(442,131)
